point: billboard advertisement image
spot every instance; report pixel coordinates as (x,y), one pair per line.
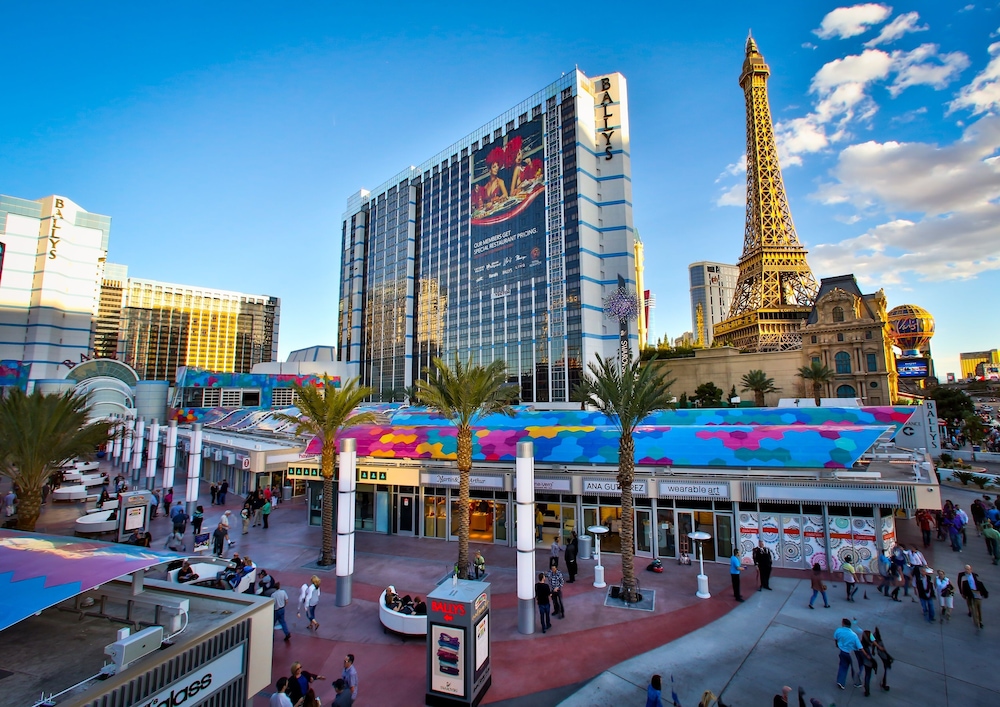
(448,666)
(508,210)
(912,368)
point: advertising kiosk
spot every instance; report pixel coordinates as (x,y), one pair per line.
(458,644)
(133,513)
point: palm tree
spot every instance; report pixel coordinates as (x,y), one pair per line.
(324,413)
(819,374)
(627,397)
(760,384)
(464,393)
(39,434)
(411,395)
(580,394)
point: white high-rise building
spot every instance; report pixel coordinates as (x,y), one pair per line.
(52,255)
(712,288)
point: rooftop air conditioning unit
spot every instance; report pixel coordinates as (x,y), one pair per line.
(132,648)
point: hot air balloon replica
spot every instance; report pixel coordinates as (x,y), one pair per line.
(911,328)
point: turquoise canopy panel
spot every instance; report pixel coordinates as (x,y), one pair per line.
(39,571)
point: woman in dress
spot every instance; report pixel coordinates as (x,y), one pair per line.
(946,595)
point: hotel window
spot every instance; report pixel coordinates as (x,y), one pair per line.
(814,338)
(211,397)
(868,334)
(843,362)
(838,314)
(840,337)
(872,361)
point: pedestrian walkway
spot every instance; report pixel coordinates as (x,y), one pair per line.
(774,639)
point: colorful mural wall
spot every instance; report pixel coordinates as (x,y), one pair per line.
(14,374)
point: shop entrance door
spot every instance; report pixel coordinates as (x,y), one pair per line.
(685,525)
(405,520)
(643,532)
(568,524)
(381,511)
(500,522)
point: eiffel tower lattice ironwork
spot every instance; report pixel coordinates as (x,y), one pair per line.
(776,289)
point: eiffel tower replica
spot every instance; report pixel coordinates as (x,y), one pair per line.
(776,289)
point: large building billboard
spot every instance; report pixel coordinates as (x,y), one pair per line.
(508,210)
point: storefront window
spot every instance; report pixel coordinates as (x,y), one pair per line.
(365,507)
(665,545)
(435,516)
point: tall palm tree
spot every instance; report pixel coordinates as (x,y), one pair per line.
(819,374)
(627,397)
(464,393)
(760,384)
(40,433)
(324,413)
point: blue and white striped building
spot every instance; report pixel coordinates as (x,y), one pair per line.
(503,246)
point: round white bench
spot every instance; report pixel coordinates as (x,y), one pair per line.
(98,522)
(108,506)
(405,624)
(87,466)
(70,493)
(210,570)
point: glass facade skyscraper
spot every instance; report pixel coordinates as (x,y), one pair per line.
(501,247)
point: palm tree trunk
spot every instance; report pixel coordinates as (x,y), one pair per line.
(464,454)
(626,474)
(759,398)
(327,515)
(29,507)
(817,391)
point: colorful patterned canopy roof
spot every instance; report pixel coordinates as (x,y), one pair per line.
(39,571)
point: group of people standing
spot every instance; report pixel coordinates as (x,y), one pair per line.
(549,594)
(298,690)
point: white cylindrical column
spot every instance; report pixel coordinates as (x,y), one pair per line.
(116,450)
(194,468)
(138,439)
(170,455)
(524,484)
(127,444)
(154,451)
(346,492)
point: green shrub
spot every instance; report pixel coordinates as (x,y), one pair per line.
(981,481)
(946,459)
(964,476)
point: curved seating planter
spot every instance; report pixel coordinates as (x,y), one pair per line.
(75,492)
(97,522)
(210,570)
(108,506)
(404,624)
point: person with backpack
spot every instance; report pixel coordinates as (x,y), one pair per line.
(308,600)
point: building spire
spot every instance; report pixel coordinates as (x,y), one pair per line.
(776,289)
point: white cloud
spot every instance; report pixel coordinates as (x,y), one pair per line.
(983,94)
(903,24)
(861,68)
(808,45)
(734,196)
(924,66)
(941,202)
(847,22)
(736,168)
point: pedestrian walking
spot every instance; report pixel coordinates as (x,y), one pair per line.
(197,519)
(280,597)
(225,521)
(556,582)
(308,600)
(735,567)
(154,504)
(884,573)
(479,564)
(280,697)
(571,553)
(343,697)
(654,692)
(214,490)
(782,699)
(542,597)
(554,551)
(168,500)
(992,538)
(245,515)
(818,586)
(300,682)
(847,642)
(175,542)
(850,580)
(762,558)
(223,490)
(867,659)
(884,656)
(946,595)
(179,518)
(350,676)
(927,593)
(219,537)
(265,512)
(974,591)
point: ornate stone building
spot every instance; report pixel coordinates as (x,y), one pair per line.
(848,331)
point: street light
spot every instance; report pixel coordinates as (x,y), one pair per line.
(598,531)
(699,536)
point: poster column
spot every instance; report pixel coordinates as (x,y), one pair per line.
(346,491)
(129,426)
(525,529)
(154,450)
(116,449)
(170,455)
(458,644)
(137,443)
(194,469)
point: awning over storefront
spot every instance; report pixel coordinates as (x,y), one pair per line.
(39,571)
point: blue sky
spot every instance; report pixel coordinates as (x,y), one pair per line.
(225,138)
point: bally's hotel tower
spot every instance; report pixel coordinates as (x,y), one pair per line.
(502,246)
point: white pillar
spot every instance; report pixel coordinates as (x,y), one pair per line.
(137,443)
(524,483)
(127,444)
(346,491)
(194,468)
(117,448)
(154,450)
(170,455)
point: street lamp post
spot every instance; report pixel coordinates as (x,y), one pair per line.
(598,531)
(700,536)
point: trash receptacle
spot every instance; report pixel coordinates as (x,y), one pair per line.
(286,493)
(585,541)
